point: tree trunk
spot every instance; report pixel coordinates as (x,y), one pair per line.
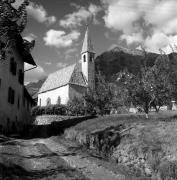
(146,115)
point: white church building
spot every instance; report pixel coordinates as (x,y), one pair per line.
(72,81)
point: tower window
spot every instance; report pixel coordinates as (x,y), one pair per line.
(84,58)
(91,57)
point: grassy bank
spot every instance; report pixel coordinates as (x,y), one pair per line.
(144,146)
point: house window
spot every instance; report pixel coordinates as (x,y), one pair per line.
(59,100)
(13,66)
(48,101)
(11,96)
(84,58)
(21,77)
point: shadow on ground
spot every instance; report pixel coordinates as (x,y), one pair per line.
(53,129)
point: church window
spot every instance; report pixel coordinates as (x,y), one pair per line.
(48,101)
(59,100)
(84,57)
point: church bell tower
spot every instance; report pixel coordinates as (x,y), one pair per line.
(88,60)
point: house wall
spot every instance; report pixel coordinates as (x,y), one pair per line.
(10,112)
(62,92)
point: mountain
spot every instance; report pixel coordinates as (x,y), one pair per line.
(114,60)
(34,87)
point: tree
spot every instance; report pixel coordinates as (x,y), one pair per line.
(99,98)
(151,87)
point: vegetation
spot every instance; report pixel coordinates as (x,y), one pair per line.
(143,147)
(51,110)
(153,87)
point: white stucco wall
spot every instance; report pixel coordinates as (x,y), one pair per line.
(63,92)
(88,69)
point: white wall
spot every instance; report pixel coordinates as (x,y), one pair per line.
(63,92)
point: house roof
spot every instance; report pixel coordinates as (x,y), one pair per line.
(68,75)
(87,43)
(25,54)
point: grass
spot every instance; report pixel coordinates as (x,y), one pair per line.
(149,147)
(114,120)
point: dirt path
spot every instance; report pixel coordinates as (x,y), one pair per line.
(49,159)
(90,169)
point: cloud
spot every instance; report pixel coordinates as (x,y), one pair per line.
(37,12)
(121,15)
(48,63)
(70,51)
(61,65)
(82,14)
(40,14)
(60,38)
(160,40)
(133,38)
(34,74)
(30,37)
(152,24)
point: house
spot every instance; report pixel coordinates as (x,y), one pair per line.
(72,81)
(14,52)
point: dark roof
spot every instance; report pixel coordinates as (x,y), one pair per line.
(25,54)
(87,43)
(68,75)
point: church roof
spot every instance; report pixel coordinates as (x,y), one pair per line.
(87,43)
(68,75)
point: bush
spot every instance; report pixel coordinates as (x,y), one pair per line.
(78,107)
(75,107)
(52,110)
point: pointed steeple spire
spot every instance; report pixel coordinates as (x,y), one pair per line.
(87,43)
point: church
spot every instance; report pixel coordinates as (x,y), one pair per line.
(72,81)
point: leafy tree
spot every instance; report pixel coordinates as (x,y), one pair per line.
(100,98)
(76,106)
(151,87)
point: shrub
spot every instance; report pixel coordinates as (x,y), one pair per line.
(51,109)
(78,106)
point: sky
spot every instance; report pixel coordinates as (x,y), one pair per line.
(58,27)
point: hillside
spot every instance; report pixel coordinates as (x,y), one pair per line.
(34,87)
(113,61)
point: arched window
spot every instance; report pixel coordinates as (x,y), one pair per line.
(84,58)
(91,57)
(48,101)
(59,100)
